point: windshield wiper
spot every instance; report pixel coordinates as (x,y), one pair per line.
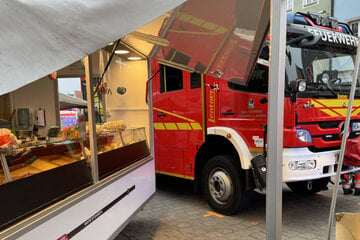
(328,87)
(307,35)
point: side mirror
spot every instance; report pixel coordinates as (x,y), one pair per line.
(298,85)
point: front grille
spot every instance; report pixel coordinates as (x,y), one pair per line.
(323,125)
(329,124)
(328,137)
(315,150)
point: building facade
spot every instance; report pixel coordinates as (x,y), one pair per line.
(322,7)
(348,11)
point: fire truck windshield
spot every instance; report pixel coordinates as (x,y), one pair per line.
(328,74)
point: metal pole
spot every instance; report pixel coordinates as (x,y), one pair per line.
(5,168)
(275,119)
(91,118)
(343,144)
(151,113)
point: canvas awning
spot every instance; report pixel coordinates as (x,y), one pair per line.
(39,37)
(209,37)
(67,101)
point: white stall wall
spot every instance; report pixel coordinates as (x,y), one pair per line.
(130,107)
(39,94)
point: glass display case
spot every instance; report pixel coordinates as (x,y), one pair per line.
(49,170)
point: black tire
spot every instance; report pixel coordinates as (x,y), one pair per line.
(310,186)
(221,185)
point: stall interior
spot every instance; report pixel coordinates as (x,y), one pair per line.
(42,162)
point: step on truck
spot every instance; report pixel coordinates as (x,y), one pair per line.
(213,131)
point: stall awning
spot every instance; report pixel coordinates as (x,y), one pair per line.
(217,38)
(67,101)
(39,37)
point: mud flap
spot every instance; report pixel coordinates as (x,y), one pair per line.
(259,168)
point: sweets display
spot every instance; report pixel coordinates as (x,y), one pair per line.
(37,157)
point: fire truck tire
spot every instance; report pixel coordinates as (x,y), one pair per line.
(310,186)
(221,185)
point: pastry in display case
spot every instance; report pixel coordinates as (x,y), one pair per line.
(51,169)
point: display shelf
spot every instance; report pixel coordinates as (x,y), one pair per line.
(44,173)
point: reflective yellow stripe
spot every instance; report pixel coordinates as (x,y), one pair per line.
(177,126)
(196,126)
(333,103)
(201,23)
(335,107)
(341,112)
(171,126)
(256,150)
(173,114)
(356,112)
(199,33)
(330,112)
(175,175)
(159,126)
(183,126)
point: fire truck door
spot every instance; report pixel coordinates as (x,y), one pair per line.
(244,108)
(170,120)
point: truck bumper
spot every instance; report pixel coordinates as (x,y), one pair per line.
(325,164)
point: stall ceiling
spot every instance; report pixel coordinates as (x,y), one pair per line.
(39,37)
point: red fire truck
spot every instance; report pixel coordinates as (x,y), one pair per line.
(208,130)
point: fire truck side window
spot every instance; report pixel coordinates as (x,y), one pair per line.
(171,79)
(195,80)
(258,82)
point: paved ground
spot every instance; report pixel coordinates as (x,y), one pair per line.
(176,212)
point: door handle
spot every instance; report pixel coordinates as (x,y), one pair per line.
(161,114)
(227,113)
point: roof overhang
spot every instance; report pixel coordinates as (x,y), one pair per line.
(39,37)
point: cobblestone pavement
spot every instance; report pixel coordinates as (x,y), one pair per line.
(176,212)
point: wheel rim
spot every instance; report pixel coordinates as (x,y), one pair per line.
(220,185)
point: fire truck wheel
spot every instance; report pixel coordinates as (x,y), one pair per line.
(221,185)
(310,186)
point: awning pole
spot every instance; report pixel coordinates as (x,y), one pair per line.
(343,144)
(275,119)
(5,167)
(91,118)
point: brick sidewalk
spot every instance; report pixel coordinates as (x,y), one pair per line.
(176,212)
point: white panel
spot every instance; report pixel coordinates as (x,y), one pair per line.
(109,223)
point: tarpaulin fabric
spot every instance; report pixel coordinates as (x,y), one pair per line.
(39,37)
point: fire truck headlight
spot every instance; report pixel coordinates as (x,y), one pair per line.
(302,86)
(302,165)
(303,135)
(325,78)
(355,127)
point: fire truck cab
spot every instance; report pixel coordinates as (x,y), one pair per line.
(209,130)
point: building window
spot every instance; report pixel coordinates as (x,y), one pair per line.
(354,28)
(309,2)
(289,5)
(171,79)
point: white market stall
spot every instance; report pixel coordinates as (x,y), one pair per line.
(64,200)
(66,32)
